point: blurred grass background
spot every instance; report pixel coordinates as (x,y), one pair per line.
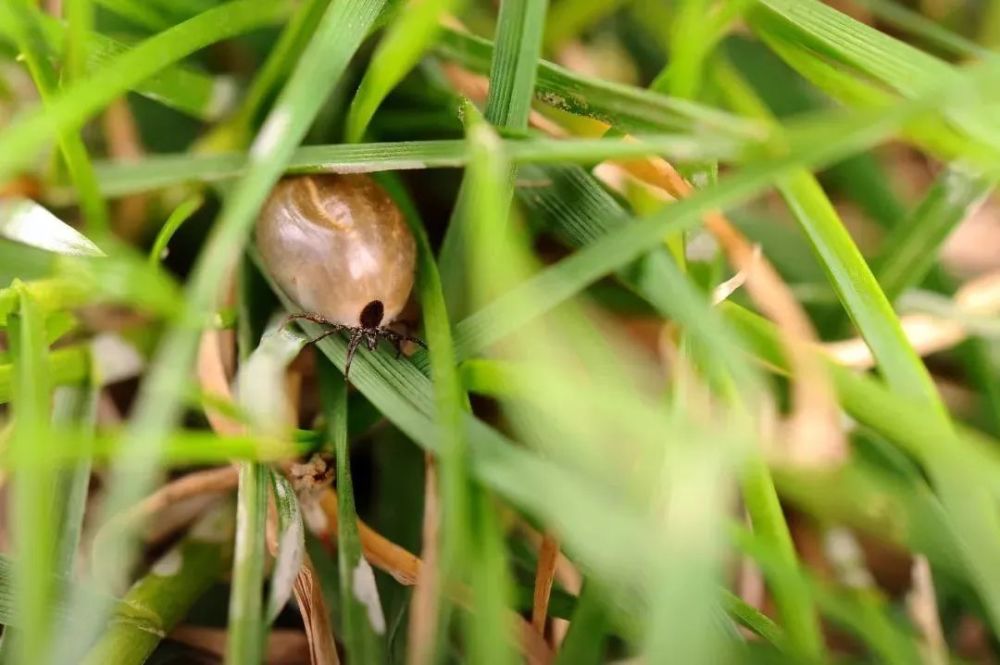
(711,290)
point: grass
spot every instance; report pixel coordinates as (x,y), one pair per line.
(580,383)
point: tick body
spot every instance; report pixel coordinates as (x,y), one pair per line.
(340,248)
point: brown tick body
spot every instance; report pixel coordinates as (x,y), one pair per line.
(340,248)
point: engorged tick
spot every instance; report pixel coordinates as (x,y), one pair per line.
(339,247)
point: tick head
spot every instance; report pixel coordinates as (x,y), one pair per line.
(371,315)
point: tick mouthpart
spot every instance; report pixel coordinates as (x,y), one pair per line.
(371,315)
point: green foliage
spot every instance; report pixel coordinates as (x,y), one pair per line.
(579,382)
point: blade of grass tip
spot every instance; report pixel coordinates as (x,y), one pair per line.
(68,110)
(513,71)
(162,598)
(450,400)
(183,212)
(364,622)
(909,252)
(18,14)
(752,619)
(412,31)
(32,509)
(160,397)
(977,525)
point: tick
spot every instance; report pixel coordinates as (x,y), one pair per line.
(338,245)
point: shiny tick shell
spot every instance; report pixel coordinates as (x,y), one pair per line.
(339,247)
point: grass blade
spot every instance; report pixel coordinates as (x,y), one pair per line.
(362,610)
(515,61)
(18,13)
(909,252)
(33,509)
(411,33)
(161,171)
(245,640)
(161,599)
(72,107)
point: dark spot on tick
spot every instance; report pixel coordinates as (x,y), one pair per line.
(371,315)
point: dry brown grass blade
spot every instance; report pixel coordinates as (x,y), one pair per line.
(214,379)
(209,481)
(309,599)
(405,568)
(545,573)
(921,603)
(125,144)
(380,551)
(423,605)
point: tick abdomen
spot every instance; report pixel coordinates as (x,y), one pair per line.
(336,244)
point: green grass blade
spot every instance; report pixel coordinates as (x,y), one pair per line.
(78,406)
(626,107)
(162,598)
(279,63)
(918,25)
(799,617)
(32,508)
(164,170)
(363,619)
(588,630)
(181,214)
(515,60)
(18,14)
(291,544)
(245,638)
(413,30)
(896,64)
(908,254)
(66,367)
(71,108)
(450,401)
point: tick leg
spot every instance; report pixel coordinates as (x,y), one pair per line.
(326,334)
(308,316)
(352,348)
(397,339)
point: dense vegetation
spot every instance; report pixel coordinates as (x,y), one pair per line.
(710,293)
